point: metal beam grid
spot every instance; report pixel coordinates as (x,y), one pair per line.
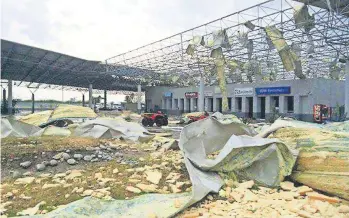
(167,58)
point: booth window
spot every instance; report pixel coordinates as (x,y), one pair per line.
(290,104)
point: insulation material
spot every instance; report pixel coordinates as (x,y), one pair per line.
(289,58)
(266,161)
(220,39)
(249,47)
(36,119)
(242,38)
(303,19)
(311,45)
(220,68)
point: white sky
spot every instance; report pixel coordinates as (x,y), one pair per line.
(98,29)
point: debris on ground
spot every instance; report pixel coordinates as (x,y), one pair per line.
(108,166)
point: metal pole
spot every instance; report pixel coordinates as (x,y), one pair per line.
(105,99)
(347,88)
(83,100)
(33,102)
(139,105)
(10,96)
(90,96)
(201,94)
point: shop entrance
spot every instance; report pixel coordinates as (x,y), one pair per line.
(249,107)
(219,104)
(262,107)
(210,104)
(188,105)
(229,104)
(181,105)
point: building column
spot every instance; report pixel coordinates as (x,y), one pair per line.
(185,105)
(139,98)
(347,88)
(297,106)
(256,106)
(83,100)
(90,96)
(4,102)
(282,104)
(168,104)
(105,99)
(201,101)
(205,104)
(9,102)
(191,104)
(214,104)
(268,105)
(179,104)
(33,102)
(233,105)
(174,104)
(244,106)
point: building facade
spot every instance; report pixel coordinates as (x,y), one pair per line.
(293,98)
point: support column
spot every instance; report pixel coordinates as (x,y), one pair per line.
(347,88)
(83,100)
(174,108)
(282,108)
(139,104)
(90,96)
(206,104)
(168,104)
(180,104)
(163,105)
(268,105)
(185,105)
(4,101)
(191,104)
(33,102)
(233,106)
(105,99)
(214,104)
(9,103)
(201,101)
(256,107)
(244,106)
(297,106)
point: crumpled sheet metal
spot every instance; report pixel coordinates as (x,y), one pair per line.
(14,128)
(113,128)
(160,205)
(267,161)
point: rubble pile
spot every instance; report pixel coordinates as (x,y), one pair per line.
(220,167)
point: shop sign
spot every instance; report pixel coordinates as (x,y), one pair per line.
(168,94)
(208,93)
(273,90)
(243,91)
(191,94)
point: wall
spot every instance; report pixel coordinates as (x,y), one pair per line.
(318,90)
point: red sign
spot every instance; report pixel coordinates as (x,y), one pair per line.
(191,94)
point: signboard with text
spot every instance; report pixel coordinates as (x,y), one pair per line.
(273,90)
(243,91)
(167,94)
(208,93)
(191,94)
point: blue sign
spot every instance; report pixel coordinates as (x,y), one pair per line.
(168,94)
(273,90)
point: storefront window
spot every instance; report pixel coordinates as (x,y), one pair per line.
(290,104)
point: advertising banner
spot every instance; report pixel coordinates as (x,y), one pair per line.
(243,91)
(273,90)
(191,94)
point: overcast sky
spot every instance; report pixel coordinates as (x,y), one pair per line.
(98,29)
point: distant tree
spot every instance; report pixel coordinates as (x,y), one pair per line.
(130,98)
